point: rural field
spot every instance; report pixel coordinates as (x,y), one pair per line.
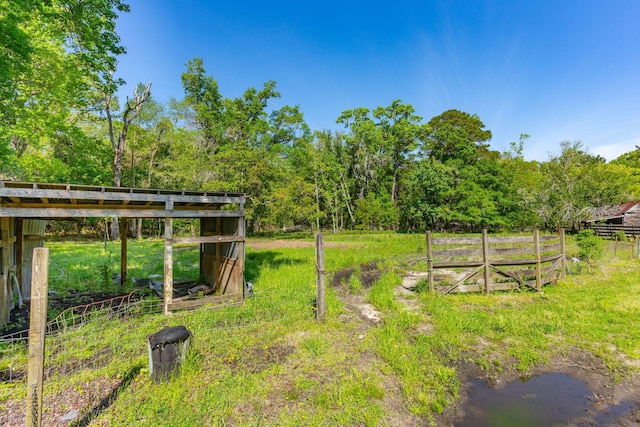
(384,356)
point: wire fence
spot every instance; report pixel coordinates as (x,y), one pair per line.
(94,344)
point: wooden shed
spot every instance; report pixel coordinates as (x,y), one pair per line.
(627,214)
(26,206)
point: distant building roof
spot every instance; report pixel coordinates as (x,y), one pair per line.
(611,212)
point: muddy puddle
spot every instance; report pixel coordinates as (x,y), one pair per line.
(553,399)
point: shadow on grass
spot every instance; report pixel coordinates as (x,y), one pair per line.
(108,400)
(257,260)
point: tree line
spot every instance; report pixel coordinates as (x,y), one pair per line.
(386,168)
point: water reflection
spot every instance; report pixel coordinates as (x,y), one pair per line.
(548,400)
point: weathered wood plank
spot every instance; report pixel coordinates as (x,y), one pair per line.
(456,253)
(225,300)
(536,239)
(511,239)
(208,239)
(130,212)
(5,295)
(557,247)
(37,334)
(168,265)
(502,286)
(511,251)
(487,262)
(20,238)
(454,264)
(456,241)
(467,276)
(113,195)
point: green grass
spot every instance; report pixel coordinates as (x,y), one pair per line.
(268,362)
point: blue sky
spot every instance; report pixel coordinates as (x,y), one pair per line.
(556,70)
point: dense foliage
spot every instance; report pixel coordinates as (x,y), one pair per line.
(388,168)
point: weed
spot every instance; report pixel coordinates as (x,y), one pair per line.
(355,286)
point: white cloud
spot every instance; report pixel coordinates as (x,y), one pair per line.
(612,151)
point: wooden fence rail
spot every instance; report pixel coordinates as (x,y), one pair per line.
(487,263)
(612,230)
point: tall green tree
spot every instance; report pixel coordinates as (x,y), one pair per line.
(467,182)
(76,42)
(401,133)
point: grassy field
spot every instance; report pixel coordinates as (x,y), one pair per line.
(269,363)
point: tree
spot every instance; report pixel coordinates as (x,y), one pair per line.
(118,138)
(455,136)
(401,133)
(76,42)
(461,184)
(574,182)
(523,180)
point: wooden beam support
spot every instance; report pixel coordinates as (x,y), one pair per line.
(20,251)
(218,285)
(130,212)
(241,250)
(215,300)
(124,231)
(5,294)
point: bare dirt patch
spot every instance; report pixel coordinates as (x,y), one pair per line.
(257,359)
(368,275)
(355,305)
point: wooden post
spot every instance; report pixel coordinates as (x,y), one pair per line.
(485,256)
(37,333)
(168,260)
(218,285)
(430,262)
(242,247)
(321,302)
(563,272)
(536,244)
(5,294)
(19,252)
(124,231)
(202,249)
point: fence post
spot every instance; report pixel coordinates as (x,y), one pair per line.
(168,264)
(563,273)
(429,261)
(37,333)
(321,302)
(536,244)
(485,255)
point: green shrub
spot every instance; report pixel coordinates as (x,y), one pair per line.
(620,236)
(591,246)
